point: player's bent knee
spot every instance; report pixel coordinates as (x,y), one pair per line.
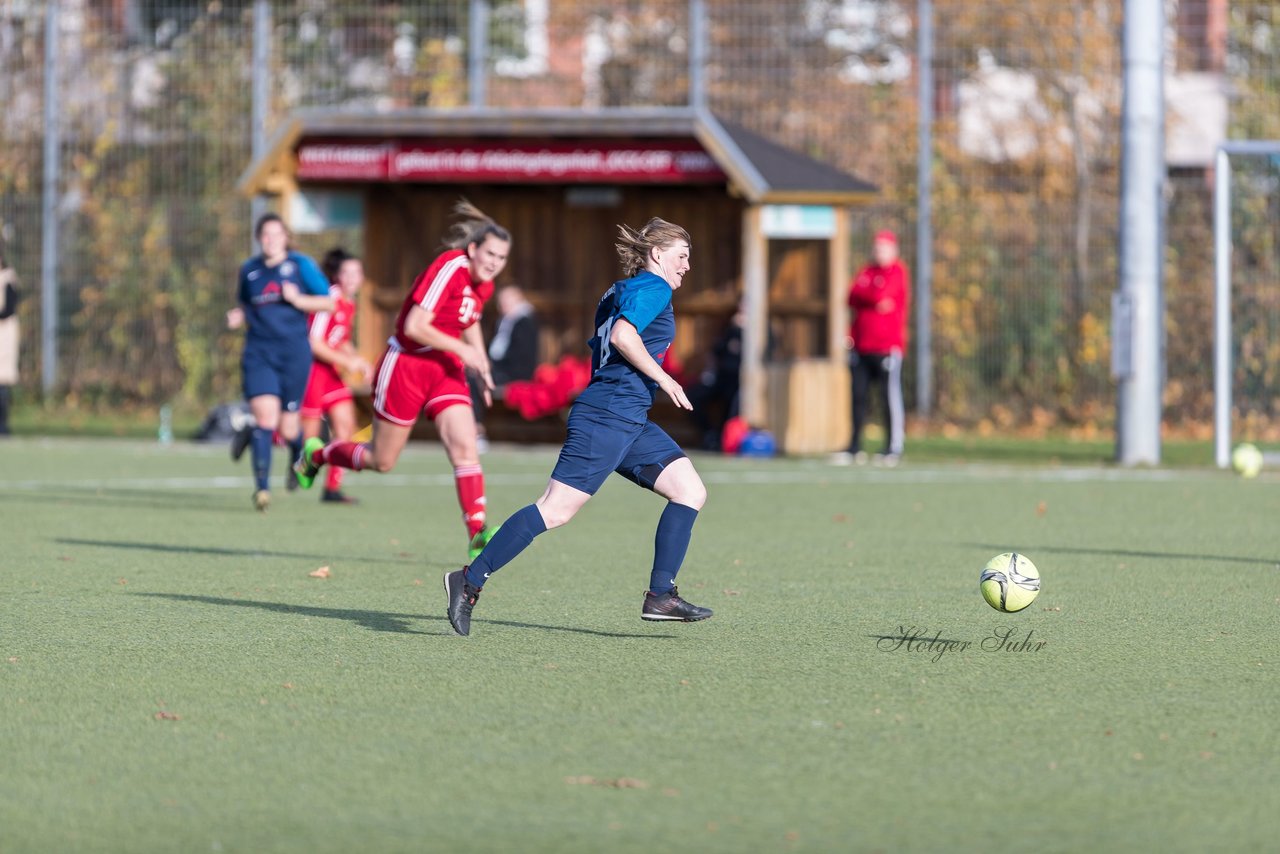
(558,509)
(692,495)
(555,517)
(380,465)
(679,482)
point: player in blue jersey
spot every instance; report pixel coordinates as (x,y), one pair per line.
(278,289)
(609,430)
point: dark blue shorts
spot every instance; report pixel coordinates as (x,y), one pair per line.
(599,443)
(283,375)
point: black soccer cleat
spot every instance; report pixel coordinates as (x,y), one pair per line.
(335,496)
(239,442)
(669,606)
(462,598)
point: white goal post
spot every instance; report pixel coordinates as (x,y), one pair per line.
(1222,386)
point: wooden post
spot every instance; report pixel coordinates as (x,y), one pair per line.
(840,389)
(755,332)
(838,289)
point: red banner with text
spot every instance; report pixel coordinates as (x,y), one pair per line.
(610,161)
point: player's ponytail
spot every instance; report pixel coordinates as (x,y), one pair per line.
(633,246)
(473,226)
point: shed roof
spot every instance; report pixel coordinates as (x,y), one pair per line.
(757,168)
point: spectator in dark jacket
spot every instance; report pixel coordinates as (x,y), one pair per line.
(8,341)
(715,396)
(513,349)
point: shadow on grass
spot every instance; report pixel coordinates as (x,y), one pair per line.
(380,621)
(1083,550)
(221,550)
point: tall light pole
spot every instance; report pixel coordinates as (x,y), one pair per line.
(924,211)
(1138,308)
(261,92)
(49,206)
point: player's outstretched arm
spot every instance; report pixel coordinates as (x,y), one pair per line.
(307,303)
(235,314)
(625,338)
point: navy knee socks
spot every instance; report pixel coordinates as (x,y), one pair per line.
(260,446)
(670,543)
(512,538)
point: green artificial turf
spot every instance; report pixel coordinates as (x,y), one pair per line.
(172,679)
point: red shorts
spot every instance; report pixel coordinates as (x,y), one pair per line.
(325,390)
(408,384)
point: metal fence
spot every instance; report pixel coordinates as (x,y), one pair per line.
(154,123)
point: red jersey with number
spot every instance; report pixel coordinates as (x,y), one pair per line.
(333,327)
(447,290)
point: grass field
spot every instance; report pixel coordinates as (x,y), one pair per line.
(173,680)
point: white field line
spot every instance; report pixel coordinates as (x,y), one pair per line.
(806,474)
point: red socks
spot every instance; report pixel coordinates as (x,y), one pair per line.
(469,480)
(348,455)
(470,483)
(333,479)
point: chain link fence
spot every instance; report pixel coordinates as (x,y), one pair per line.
(155,125)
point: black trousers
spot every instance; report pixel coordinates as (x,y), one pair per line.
(881,374)
(714,403)
(6,396)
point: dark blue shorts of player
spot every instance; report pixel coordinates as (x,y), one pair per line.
(599,443)
(283,375)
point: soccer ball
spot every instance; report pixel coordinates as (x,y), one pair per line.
(1009,582)
(1247,460)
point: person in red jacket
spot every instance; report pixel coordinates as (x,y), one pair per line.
(878,301)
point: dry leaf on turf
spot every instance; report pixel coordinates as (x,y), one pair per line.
(322,572)
(619,783)
(625,783)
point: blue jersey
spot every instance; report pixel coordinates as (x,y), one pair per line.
(273,323)
(616,386)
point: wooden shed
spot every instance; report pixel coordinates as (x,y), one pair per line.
(770,228)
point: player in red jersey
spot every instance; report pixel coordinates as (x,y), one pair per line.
(424,368)
(333,350)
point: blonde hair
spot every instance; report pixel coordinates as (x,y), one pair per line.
(633,246)
(473,226)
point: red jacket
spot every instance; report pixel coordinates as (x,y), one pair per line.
(872,329)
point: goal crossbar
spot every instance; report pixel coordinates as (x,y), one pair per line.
(1222,286)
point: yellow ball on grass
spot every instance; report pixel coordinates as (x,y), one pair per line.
(1009,582)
